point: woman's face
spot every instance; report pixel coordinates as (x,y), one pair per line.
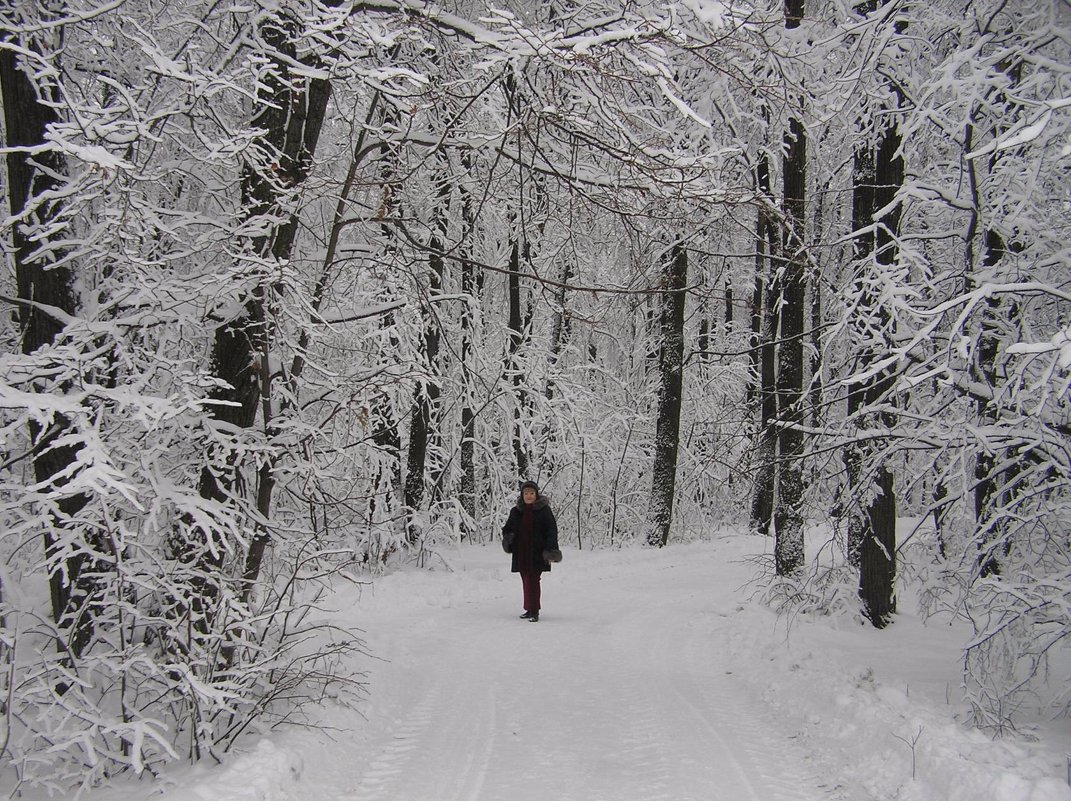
(528,494)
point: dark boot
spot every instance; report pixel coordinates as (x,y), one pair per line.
(527,616)
(533,617)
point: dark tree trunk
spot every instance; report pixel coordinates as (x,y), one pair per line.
(73,570)
(290,113)
(788,512)
(877,562)
(874,537)
(471,290)
(879,174)
(728,308)
(653,333)
(516,338)
(765,322)
(467,492)
(385,433)
(995,318)
(670,393)
(292,120)
(987,491)
(563,323)
(863,206)
(940,512)
(520,251)
(815,385)
(388,441)
(428,391)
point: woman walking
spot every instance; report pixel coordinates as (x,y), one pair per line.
(531,535)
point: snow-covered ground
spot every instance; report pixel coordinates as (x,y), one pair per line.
(652,675)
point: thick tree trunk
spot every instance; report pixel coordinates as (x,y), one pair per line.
(992,486)
(292,120)
(290,113)
(986,493)
(875,538)
(385,436)
(877,558)
(788,512)
(996,315)
(72,567)
(864,180)
(879,174)
(765,321)
(670,394)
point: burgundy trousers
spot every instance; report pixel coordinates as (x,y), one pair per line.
(530,582)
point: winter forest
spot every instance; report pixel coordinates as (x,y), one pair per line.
(298,290)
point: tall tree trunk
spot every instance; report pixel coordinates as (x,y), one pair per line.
(879,174)
(814,340)
(72,566)
(470,289)
(995,316)
(513,369)
(293,131)
(426,400)
(563,323)
(788,511)
(854,455)
(290,113)
(670,395)
(877,569)
(385,423)
(520,251)
(765,321)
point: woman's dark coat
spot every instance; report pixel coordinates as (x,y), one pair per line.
(544,530)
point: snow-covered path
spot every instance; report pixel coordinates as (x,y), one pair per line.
(652,675)
(621,691)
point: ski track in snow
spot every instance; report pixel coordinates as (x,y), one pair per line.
(625,697)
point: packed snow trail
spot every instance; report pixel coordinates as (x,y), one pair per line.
(652,675)
(620,692)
